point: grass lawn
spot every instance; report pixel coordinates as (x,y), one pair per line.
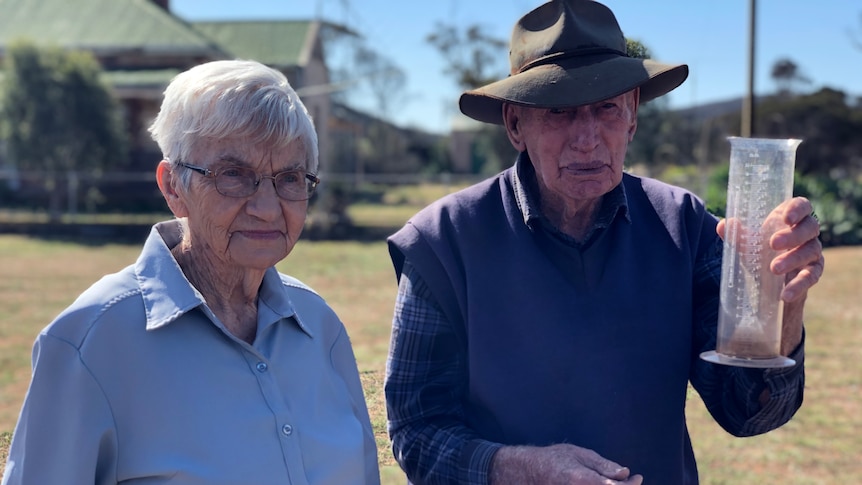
(822,445)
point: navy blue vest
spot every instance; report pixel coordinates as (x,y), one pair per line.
(591,347)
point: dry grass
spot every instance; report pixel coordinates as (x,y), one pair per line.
(5,441)
(822,445)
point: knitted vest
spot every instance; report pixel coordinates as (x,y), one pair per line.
(590,347)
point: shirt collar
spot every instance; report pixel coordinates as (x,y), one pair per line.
(527,197)
(167,293)
(274,303)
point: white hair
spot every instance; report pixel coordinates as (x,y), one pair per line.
(231,98)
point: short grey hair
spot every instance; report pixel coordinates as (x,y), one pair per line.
(231,98)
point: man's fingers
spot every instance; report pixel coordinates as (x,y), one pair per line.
(796,209)
(607,468)
(807,254)
(807,229)
(800,282)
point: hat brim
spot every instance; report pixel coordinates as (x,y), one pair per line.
(560,85)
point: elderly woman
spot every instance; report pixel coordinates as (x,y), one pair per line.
(200,363)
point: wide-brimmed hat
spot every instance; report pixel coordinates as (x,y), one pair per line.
(569,53)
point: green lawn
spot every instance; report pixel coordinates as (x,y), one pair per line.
(822,445)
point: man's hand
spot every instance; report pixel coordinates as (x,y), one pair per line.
(802,262)
(561,464)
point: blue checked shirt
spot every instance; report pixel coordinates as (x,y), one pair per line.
(424,349)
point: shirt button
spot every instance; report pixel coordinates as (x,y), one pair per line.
(287,429)
(261,366)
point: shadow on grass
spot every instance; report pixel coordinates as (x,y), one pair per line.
(100,234)
(89,234)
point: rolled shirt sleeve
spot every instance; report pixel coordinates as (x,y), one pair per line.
(425,379)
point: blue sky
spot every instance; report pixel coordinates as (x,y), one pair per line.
(710,36)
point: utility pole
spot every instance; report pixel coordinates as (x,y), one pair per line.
(747,125)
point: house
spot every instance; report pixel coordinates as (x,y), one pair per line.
(141,46)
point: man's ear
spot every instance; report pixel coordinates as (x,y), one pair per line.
(635,100)
(512,123)
(167,185)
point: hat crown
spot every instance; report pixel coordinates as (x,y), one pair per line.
(564,28)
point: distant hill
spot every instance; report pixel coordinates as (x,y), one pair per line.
(719,108)
(711,110)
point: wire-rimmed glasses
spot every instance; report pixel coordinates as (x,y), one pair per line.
(239,182)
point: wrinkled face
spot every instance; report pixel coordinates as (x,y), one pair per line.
(253,232)
(578,153)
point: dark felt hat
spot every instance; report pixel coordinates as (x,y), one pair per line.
(569,53)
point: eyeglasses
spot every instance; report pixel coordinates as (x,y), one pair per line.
(241,182)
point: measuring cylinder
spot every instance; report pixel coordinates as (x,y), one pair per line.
(750,314)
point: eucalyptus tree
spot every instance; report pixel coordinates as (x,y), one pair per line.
(58,117)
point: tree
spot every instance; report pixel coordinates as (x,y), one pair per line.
(361,73)
(656,144)
(386,83)
(786,75)
(474,58)
(636,49)
(385,79)
(828,125)
(58,117)
(360,76)
(856,37)
(354,67)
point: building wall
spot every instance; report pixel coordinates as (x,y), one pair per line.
(319,105)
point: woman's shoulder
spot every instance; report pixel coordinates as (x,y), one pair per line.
(312,309)
(112,295)
(293,284)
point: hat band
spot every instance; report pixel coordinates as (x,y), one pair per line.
(557,56)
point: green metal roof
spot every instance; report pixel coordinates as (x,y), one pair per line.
(100,25)
(140,27)
(276,43)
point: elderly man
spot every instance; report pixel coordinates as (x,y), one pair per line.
(549,319)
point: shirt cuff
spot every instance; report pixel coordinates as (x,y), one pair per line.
(785,389)
(476,458)
(783,373)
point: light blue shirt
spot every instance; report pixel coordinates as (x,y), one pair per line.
(138,382)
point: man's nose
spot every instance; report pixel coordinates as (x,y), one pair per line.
(584,132)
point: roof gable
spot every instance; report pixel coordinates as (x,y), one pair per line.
(275,43)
